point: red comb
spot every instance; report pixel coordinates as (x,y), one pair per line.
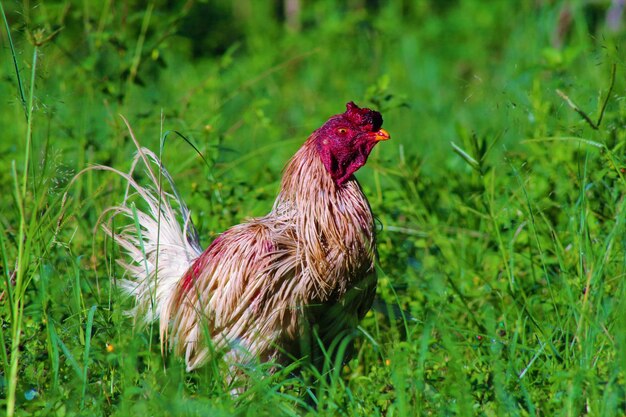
(369,119)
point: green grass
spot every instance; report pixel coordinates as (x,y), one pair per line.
(500,200)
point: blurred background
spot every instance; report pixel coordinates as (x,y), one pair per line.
(247,81)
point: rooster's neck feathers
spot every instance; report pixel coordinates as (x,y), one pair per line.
(318,201)
(305,176)
(335,220)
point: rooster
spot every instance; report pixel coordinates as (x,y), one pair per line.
(273,287)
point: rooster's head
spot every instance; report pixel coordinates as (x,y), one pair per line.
(345,141)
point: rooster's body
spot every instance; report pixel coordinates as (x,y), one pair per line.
(266,288)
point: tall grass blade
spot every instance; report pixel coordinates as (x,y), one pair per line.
(20,87)
(70,358)
(53,351)
(23,255)
(88,328)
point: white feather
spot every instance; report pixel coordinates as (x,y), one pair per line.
(159,250)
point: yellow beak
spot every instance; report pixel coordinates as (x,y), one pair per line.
(382,134)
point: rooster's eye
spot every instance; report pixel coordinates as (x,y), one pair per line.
(342,130)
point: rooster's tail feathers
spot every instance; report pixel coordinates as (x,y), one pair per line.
(160,249)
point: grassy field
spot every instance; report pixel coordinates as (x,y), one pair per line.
(500,198)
